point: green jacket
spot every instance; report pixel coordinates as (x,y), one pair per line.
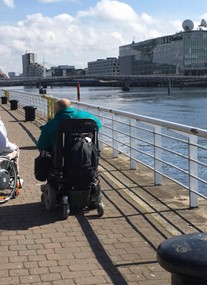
(47,137)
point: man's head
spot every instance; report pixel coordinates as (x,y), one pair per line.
(62,104)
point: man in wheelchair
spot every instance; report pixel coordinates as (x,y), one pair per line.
(71,138)
(63,110)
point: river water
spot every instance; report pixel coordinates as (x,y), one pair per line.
(187,106)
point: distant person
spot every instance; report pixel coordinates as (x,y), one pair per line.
(63,110)
(10,150)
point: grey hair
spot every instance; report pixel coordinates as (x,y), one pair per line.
(62,104)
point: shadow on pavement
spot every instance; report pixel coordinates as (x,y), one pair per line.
(100,253)
(25,216)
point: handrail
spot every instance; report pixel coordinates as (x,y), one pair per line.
(175,151)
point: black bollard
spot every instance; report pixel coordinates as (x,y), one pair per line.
(29,113)
(13,104)
(185,257)
(4,100)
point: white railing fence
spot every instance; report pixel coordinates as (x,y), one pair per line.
(171,150)
(28,99)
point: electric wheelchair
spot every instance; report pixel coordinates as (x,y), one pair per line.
(8,179)
(62,187)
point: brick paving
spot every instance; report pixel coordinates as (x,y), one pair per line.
(38,247)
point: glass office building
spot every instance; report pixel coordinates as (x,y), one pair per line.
(183,53)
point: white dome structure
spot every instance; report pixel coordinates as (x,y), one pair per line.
(188,25)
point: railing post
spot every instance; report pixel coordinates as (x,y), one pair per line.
(133,163)
(100,141)
(100,135)
(114,137)
(157,156)
(193,171)
(50,106)
(6,94)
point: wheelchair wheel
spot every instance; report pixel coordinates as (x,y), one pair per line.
(100,209)
(42,199)
(66,211)
(8,179)
(49,197)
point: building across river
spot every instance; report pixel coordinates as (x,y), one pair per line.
(183,53)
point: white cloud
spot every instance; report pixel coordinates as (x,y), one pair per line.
(9,3)
(94,33)
(108,10)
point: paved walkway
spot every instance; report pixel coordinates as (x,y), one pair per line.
(37,247)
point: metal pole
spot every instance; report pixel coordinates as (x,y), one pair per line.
(78,91)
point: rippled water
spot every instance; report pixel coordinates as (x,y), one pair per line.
(187,106)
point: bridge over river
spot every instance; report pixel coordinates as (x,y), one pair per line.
(119,81)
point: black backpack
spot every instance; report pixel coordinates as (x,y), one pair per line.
(82,161)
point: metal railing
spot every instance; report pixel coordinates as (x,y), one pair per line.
(177,152)
(28,99)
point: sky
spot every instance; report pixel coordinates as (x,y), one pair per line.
(75,32)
